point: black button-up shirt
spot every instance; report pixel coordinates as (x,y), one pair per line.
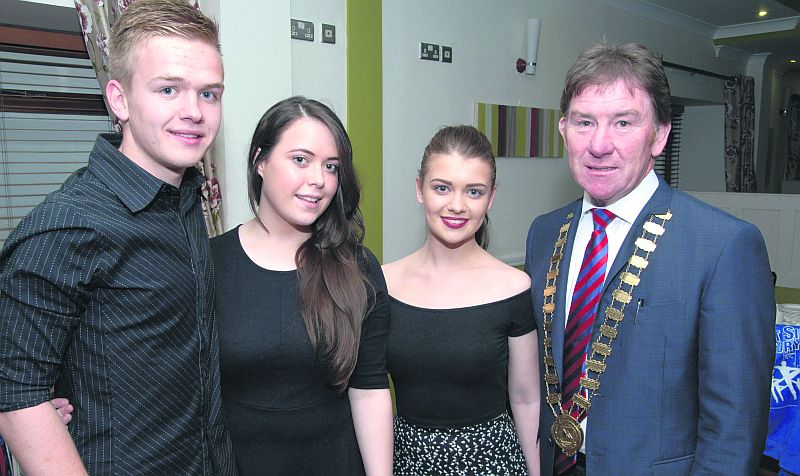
(106,292)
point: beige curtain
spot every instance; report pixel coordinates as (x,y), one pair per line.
(96,18)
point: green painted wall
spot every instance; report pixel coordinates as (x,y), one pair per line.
(365,111)
(787,295)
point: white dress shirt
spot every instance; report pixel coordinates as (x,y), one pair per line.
(626,210)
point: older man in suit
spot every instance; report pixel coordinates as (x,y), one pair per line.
(656,310)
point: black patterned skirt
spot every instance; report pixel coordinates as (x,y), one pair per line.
(489,448)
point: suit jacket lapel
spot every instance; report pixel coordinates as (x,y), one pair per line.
(658,203)
(562,307)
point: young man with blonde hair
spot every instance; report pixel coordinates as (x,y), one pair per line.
(106,288)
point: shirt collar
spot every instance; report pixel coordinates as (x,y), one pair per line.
(133,185)
(628,207)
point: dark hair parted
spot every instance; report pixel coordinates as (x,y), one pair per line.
(603,64)
(334,291)
(469,143)
(147,18)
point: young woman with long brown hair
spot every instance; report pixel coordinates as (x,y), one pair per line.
(302,308)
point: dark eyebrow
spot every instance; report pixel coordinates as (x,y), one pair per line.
(302,151)
(447,182)
(585,115)
(579,114)
(308,152)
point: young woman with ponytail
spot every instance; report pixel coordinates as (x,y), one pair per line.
(462,339)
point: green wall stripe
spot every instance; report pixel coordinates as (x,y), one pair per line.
(551,151)
(481,116)
(522,131)
(365,111)
(495,127)
(787,295)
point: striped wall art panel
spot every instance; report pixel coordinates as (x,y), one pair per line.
(517,131)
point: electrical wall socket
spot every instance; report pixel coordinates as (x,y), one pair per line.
(302,30)
(429,51)
(328,33)
(447,54)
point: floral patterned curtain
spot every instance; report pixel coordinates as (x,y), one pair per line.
(96,18)
(793,158)
(740,114)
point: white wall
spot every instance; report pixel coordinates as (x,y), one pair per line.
(263,65)
(777,217)
(702,142)
(790,83)
(319,70)
(695,86)
(257,57)
(777,135)
(768,74)
(420,96)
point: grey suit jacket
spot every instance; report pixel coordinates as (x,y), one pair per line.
(687,386)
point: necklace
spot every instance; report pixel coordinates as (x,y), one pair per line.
(566,429)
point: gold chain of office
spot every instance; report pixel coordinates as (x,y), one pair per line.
(566,429)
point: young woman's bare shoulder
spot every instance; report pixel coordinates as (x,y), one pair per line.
(514,280)
(395,267)
(517,279)
(397,271)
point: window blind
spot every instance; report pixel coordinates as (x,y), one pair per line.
(667,164)
(51,111)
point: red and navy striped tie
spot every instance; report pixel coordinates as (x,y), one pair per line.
(585,298)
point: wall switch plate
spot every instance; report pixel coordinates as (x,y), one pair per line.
(429,51)
(447,54)
(302,30)
(328,33)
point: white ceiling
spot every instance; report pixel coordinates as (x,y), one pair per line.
(727,12)
(731,23)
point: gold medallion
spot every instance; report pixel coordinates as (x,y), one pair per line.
(567,434)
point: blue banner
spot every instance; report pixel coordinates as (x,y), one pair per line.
(783,442)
